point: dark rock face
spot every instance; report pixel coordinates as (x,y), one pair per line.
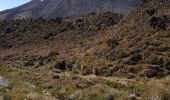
(150,73)
(61,65)
(154,71)
(158,22)
(68,8)
(64,65)
(37,61)
(133,59)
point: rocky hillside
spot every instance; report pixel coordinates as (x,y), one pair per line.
(97,57)
(21,39)
(137,46)
(68,8)
(14,33)
(141,41)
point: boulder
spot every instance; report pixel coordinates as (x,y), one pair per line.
(61,65)
(132,97)
(153,71)
(150,73)
(135,96)
(64,65)
(159,22)
(133,59)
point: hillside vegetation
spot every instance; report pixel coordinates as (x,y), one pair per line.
(103,56)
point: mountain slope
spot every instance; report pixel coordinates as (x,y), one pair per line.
(97,56)
(68,8)
(140,42)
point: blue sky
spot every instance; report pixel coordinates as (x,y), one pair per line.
(7,4)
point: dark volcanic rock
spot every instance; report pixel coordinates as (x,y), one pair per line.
(68,8)
(159,22)
(133,59)
(61,65)
(37,61)
(153,71)
(64,65)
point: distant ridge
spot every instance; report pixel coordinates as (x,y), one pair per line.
(68,8)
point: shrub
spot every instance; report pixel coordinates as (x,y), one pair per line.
(112,43)
(159,22)
(151,12)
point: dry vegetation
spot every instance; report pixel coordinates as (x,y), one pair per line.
(96,57)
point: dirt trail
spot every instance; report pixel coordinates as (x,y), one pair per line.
(92,77)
